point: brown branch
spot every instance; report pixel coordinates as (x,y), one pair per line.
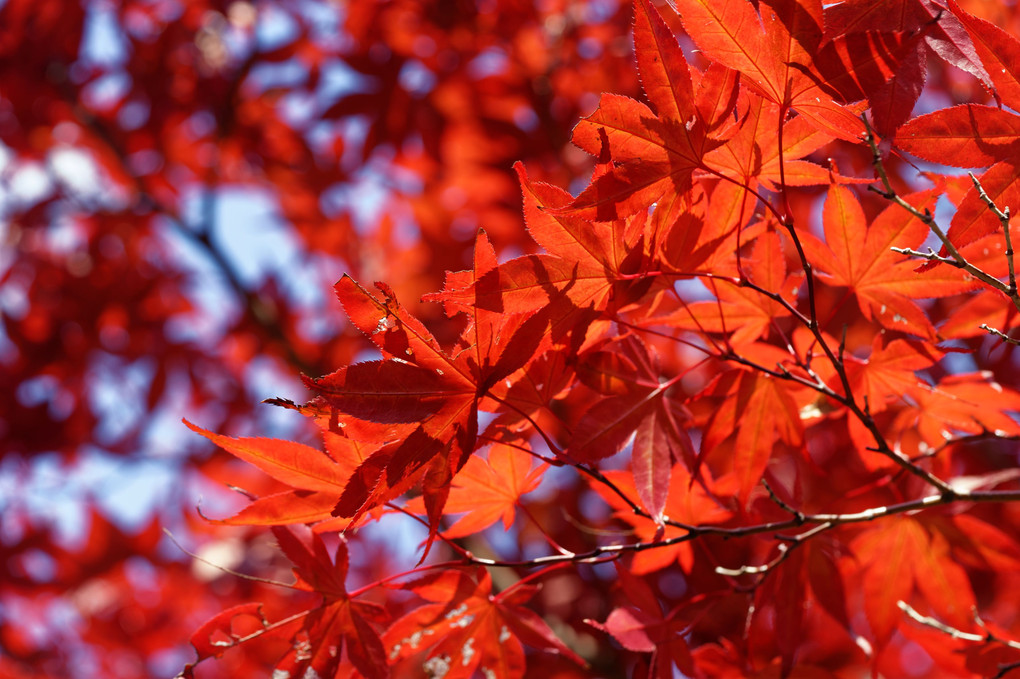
(969,438)
(987,638)
(963,265)
(955,258)
(998,333)
(784,548)
(820,522)
(1003,216)
(797,515)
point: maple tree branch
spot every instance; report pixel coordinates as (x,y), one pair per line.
(809,277)
(955,259)
(812,325)
(224,569)
(963,265)
(1009,253)
(822,523)
(548,538)
(931,256)
(785,550)
(992,331)
(987,638)
(797,515)
(889,193)
(1003,217)
(929,621)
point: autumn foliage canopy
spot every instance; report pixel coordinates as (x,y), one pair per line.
(558,339)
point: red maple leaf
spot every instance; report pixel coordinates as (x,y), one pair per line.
(340,629)
(902,556)
(908,29)
(488,489)
(973,135)
(758,414)
(777,63)
(656,151)
(641,626)
(859,256)
(421,402)
(318,478)
(467,629)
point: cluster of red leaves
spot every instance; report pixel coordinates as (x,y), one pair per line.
(845,503)
(723,365)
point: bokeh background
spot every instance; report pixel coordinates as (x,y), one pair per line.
(181,183)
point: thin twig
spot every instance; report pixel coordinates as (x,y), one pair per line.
(224,569)
(987,638)
(1003,216)
(929,621)
(890,194)
(955,258)
(785,549)
(782,505)
(964,266)
(992,331)
(820,523)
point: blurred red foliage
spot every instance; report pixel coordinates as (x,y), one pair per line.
(167,166)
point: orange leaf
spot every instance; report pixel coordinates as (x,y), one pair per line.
(292,463)
(488,489)
(468,630)
(888,554)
